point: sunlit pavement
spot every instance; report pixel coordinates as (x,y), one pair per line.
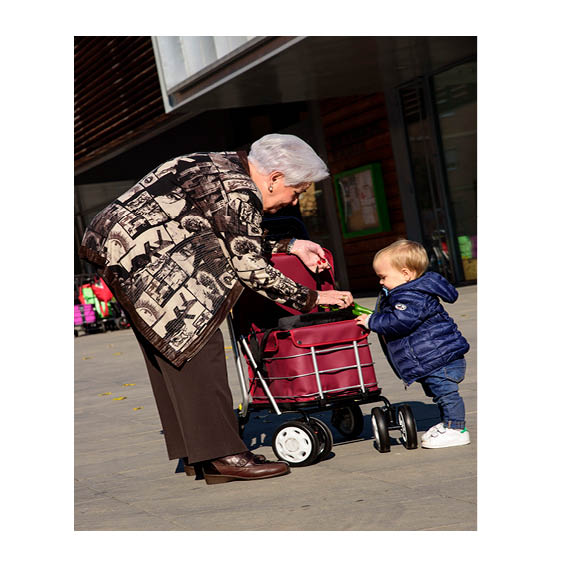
(124,480)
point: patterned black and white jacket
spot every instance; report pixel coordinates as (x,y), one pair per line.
(177,247)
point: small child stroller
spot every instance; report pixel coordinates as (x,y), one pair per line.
(85,318)
(308,363)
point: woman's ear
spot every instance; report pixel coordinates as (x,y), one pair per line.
(275,176)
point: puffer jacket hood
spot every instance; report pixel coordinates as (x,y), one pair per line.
(431,283)
(416,332)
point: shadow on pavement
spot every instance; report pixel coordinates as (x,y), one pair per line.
(261,426)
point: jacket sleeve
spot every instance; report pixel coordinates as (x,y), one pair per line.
(277,245)
(397,318)
(242,235)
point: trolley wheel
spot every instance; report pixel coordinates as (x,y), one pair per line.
(324,436)
(296,443)
(380,427)
(348,421)
(408,426)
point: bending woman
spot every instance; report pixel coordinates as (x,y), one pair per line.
(176,250)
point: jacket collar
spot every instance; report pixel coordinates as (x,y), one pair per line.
(244,159)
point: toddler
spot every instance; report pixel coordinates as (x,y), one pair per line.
(422,343)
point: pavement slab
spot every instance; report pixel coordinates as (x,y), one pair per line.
(125,482)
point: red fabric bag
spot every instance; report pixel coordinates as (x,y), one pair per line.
(252,311)
(318,362)
(307,358)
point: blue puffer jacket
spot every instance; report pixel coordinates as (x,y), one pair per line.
(417,332)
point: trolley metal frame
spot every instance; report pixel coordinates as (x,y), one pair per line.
(362,396)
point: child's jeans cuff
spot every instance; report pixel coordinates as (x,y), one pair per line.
(454,424)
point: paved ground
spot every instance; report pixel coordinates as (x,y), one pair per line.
(124,480)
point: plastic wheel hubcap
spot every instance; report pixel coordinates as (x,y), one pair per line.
(291,445)
(294,445)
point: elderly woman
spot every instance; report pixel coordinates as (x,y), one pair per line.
(176,250)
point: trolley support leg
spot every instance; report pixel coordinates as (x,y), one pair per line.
(358,367)
(237,359)
(317,377)
(260,377)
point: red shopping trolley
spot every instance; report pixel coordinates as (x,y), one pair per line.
(288,362)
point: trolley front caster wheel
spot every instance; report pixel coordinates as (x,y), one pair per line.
(296,443)
(324,436)
(348,421)
(408,427)
(380,427)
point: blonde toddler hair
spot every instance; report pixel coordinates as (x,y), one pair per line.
(405,254)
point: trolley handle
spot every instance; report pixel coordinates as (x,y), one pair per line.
(318,287)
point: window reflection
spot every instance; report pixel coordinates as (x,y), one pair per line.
(455,102)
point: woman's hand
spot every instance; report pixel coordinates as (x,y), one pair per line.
(335,297)
(362,320)
(311,254)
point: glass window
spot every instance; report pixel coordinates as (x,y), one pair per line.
(312,210)
(428,190)
(455,102)
(184,56)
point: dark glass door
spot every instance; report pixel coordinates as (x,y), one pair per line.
(440,123)
(455,105)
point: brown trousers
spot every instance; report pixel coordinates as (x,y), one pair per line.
(194,402)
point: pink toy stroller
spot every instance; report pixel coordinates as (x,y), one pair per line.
(85,318)
(307,363)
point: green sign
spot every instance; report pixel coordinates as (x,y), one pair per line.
(362,201)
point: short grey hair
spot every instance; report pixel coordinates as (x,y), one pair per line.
(289,155)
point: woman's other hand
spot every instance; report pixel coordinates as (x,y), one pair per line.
(335,297)
(311,254)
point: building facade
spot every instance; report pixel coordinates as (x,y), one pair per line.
(393,117)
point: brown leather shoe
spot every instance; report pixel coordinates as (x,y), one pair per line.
(196,468)
(242,466)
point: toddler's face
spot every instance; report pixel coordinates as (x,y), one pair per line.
(391,277)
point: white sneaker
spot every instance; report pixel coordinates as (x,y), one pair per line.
(443,437)
(431,430)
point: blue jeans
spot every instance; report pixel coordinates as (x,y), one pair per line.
(443,386)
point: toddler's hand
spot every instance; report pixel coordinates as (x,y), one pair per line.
(362,320)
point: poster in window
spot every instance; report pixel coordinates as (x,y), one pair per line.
(362,201)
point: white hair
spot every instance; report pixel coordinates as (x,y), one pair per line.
(289,155)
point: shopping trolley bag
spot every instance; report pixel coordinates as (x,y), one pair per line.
(317,356)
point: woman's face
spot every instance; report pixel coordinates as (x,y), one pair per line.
(282,195)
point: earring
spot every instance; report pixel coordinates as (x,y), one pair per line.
(270,189)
